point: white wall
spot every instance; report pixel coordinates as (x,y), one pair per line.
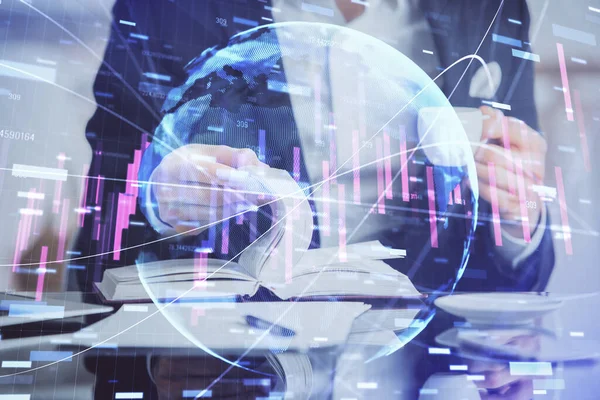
(56,114)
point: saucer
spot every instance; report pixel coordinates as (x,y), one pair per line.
(498,308)
(503,345)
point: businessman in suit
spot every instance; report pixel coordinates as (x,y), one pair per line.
(150,44)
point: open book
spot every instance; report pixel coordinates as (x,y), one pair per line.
(278,261)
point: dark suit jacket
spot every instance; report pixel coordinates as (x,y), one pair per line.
(168,34)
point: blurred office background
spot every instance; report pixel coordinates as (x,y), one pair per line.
(576,272)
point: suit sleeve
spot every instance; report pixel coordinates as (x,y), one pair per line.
(128,110)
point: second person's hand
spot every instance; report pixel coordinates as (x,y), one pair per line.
(198,184)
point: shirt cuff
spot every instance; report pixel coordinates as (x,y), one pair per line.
(516,250)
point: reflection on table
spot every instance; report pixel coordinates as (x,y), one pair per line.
(143,354)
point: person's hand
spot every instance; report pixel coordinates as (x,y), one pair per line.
(198,184)
(497,381)
(499,384)
(517,155)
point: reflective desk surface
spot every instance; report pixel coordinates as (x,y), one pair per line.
(422,369)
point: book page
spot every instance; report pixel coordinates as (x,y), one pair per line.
(166,270)
(353,257)
(296,371)
(167,279)
(273,256)
(190,290)
(369,278)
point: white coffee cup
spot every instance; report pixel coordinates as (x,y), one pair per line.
(446,134)
(471,119)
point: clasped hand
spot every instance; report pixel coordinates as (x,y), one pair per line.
(198,184)
(512,154)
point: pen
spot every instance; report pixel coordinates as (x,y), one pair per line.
(274,329)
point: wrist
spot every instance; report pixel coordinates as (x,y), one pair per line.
(513,225)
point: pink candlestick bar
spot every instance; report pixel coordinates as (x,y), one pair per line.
(495,205)
(565,81)
(342,223)
(98,229)
(39,290)
(362,115)
(58,185)
(121,222)
(508,155)
(380,184)
(388,165)
(99,188)
(225,229)
(457,194)
(564,216)
(404,165)
(84,197)
(581,125)
(296,166)
(324,225)
(225,237)
(239,220)
(296,176)
(356,166)
(318,116)
(62,231)
(36,221)
(523,201)
(17,254)
(253,229)
(126,202)
(23,232)
(289,250)
(432,211)
(200,269)
(332,148)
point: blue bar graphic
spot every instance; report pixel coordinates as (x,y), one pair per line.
(328,12)
(158,77)
(262,145)
(128,23)
(192,394)
(37,355)
(525,55)
(138,36)
(530,368)
(104,94)
(32,309)
(548,384)
(506,40)
(244,21)
(129,395)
